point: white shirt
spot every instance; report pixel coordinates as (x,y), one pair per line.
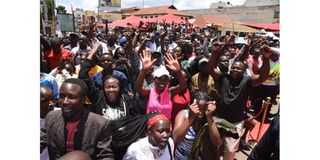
(173,45)
(105,48)
(143,150)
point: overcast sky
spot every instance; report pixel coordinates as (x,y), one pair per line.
(180,4)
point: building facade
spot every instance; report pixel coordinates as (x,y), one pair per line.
(253,11)
(154,12)
(86,16)
(78,17)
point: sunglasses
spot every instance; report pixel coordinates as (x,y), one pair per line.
(162,80)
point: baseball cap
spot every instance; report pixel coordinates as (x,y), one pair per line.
(123,40)
(160,71)
(203,60)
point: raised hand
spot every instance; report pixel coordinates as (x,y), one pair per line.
(163,34)
(266,51)
(146,59)
(194,108)
(230,39)
(211,108)
(172,62)
(248,41)
(216,46)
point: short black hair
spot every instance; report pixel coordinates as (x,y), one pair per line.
(245,66)
(81,83)
(114,77)
(55,41)
(200,95)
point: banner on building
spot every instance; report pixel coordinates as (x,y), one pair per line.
(66,22)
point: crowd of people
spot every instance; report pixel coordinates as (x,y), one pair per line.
(157,91)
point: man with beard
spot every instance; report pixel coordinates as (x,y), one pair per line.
(111,43)
(74,127)
(234,91)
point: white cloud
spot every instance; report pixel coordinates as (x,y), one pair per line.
(90,4)
(192,4)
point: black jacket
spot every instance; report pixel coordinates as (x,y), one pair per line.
(93,136)
(100,105)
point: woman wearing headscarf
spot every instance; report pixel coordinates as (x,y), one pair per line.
(157,145)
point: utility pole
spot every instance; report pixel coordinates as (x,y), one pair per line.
(142,3)
(53,28)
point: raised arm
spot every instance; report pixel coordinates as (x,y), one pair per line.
(257,79)
(92,25)
(142,46)
(146,64)
(93,92)
(135,38)
(206,41)
(244,51)
(173,64)
(183,122)
(163,34)
(217,48)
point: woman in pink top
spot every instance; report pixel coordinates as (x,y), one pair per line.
(160,95)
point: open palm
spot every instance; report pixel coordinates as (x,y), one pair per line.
(172,62)
(146,59)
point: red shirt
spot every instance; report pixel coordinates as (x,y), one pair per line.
(53,59)
(72,129)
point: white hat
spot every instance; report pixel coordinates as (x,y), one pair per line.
(203,60)
(160,71)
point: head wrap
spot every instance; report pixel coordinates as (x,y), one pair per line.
(156,119)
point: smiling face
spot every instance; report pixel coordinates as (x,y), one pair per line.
(71,100)
(161,83)
(112,89)
(237,70)
(159,133)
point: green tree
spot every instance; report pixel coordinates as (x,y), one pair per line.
(61,10)
(49,6)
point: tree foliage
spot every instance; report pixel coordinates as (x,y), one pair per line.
(61,10)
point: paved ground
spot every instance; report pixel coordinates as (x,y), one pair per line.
(243,154)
